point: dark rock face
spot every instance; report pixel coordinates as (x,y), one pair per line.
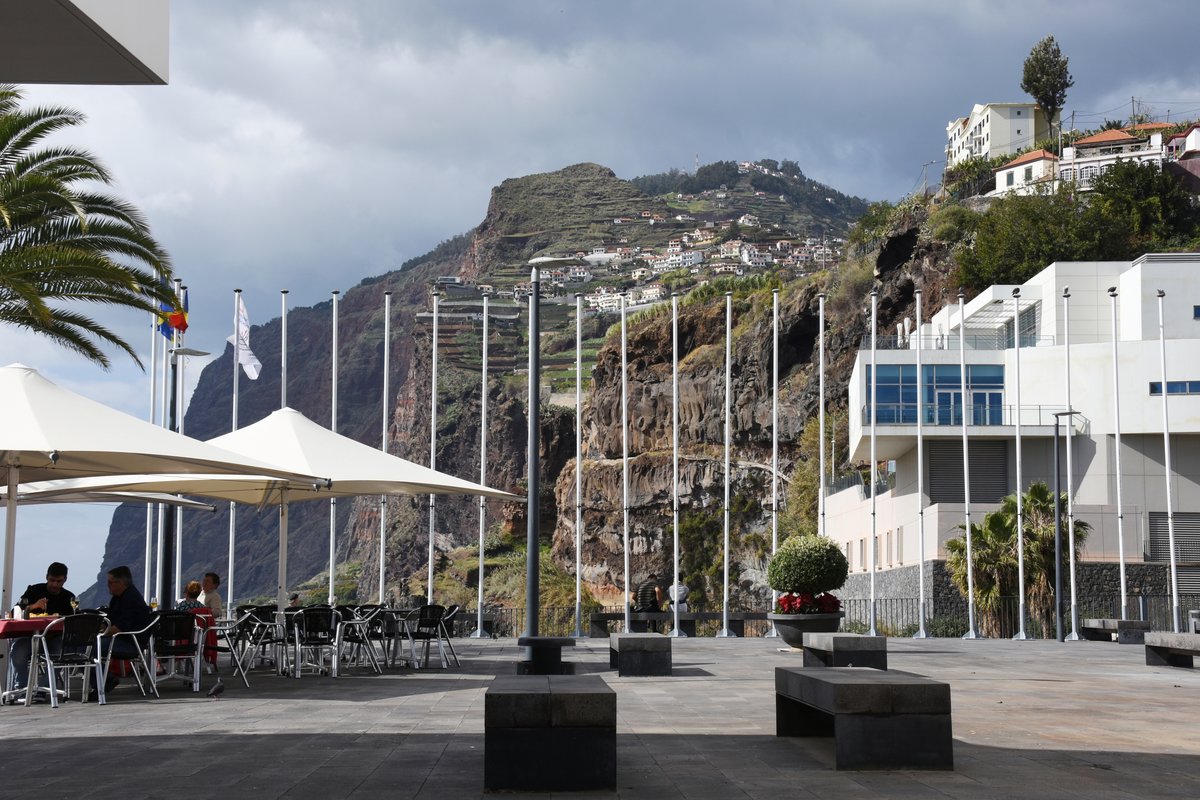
(519,207)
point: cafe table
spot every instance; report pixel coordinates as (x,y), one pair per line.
(14,629)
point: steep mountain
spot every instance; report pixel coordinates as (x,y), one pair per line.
(553,213)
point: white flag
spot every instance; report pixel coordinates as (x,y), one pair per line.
(245,356)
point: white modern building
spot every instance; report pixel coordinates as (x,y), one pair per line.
(995,129)
(989,403)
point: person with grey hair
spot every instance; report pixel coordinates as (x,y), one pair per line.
(127,612)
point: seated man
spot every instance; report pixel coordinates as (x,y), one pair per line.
(40,598)
(648,596)
(127,612)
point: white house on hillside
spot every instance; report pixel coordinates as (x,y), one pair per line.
(1027,172)
(989,404)
(995,129)
(1090,156)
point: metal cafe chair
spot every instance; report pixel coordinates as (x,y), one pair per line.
(135,654)
(227,632)
(353,638)
(447,626)
(425,625)
(69,645)
(314,631)
(177,641)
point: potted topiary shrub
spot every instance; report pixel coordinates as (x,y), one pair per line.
(804,570)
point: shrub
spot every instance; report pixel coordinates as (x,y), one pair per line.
(807,565)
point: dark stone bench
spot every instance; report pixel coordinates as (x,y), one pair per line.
(639,621)
(545,655)
(548,733)
(878,720)
(640,654)
(845,650)
(1171,649)
(1127,631)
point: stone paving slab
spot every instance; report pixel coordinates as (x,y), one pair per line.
(1031,719)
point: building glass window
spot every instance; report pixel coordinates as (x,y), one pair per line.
(1009,179)
(1175,387)
(1195,312)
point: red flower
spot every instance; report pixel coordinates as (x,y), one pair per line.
(806,603)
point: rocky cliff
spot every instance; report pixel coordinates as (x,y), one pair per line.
(516,228)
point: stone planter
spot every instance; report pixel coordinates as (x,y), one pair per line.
(792,627)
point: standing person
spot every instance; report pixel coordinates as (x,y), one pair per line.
(210,597)
(127,612)
(40,598)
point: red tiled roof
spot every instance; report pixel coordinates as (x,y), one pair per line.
(1148,126)
(1027,158)
(1106,137)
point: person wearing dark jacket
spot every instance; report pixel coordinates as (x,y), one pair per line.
(127,612)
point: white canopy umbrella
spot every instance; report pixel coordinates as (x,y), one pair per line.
(37,498)
(292,440)
(49,432)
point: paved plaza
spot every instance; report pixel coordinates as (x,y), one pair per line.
(1031,719)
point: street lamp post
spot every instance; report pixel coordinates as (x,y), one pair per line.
(166,578)
(1058,588)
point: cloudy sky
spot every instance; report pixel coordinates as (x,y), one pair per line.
(306,145)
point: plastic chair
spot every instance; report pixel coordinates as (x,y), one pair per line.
(68,645)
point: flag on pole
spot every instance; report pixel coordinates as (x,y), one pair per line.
(245,356)
(173,318)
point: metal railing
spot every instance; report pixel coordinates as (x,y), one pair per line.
(977,414)
(894,616)
(949,341)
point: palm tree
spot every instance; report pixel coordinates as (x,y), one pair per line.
(994,557)
(61,243)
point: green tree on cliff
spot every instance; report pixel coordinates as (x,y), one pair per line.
(1046,78)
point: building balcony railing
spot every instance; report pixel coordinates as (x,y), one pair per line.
(973,341)
(977,414)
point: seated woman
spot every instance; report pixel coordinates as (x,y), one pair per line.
(191,597)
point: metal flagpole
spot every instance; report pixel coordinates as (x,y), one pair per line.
(163,509)
(1112,293)
(483,454)
(920,634)
(153,392)
(874,465)
(1074,634)
(821,484)
(333,428)
(1162,354)
(962,377)
(578,465)
(625,453)
(283,350)
(281,577)
(725,632)
(383,438)
(237,368)
(676,583)
(1020,482)
(775,441)
(169,602)
(433,404)
(534,478)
